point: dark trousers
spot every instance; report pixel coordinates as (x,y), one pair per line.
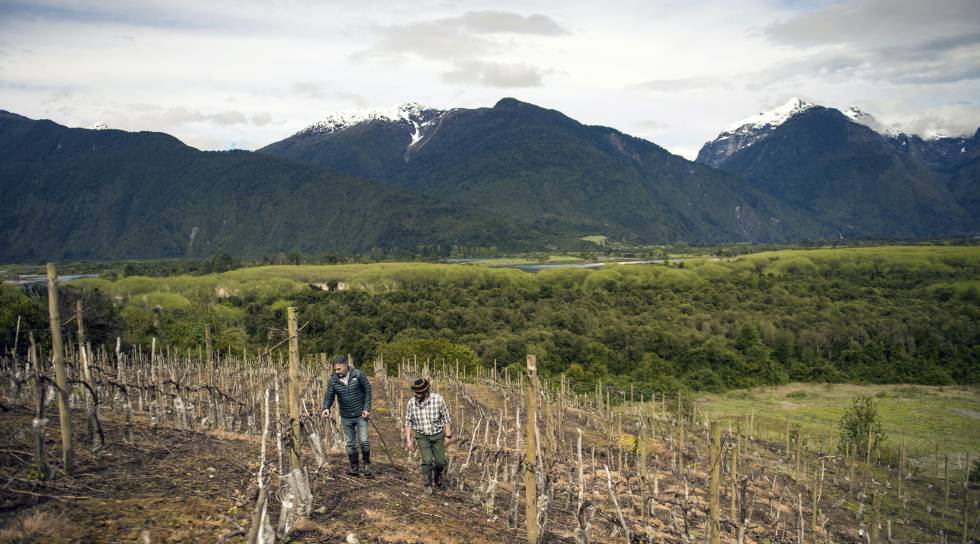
(432,448)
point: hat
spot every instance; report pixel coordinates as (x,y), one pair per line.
(421,385)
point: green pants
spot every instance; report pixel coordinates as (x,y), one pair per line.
(432,448)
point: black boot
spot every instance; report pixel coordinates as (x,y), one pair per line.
(353,464)
(427,482)
(440,484)
(366,457)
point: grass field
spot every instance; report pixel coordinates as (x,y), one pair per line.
(929,419)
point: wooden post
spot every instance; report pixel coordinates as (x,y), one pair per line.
(680,433)
(733,477)
(787,437)
(531,495)
(293,392)
(40,456)
(95,427)
(798,438)
(875,508)
(901,468)
(61,379)
(946,479)
(868,453)
(966,503)
(715,504)
(209,353)
(83,371)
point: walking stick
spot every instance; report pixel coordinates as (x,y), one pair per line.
(383,443)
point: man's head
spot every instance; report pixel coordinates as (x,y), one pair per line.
(340,366)
(421,389)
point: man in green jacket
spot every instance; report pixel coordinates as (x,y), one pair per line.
(427,427)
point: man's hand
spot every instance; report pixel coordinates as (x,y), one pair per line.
(410,445)
(325,413)
(449,438)
(365,414)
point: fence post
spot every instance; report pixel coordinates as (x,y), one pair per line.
(294,387)
(531,496)
(875,507)
(715,506)
(966,503)
(61,379)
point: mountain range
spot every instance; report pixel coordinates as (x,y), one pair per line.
(861,182)
(514,176)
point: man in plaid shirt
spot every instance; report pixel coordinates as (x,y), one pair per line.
(427,427)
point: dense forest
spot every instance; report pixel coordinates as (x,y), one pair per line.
(882,315)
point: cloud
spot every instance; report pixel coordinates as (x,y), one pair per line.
(494,74)
(688,84)
(146,14)
(493,22)
(901,42)
(466,41)
(261,119)
(946,120)
(148,115)
(651,125)
(442,39)
(308,89)
(322,91)
(876,22)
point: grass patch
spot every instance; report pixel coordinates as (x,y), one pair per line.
(925,417)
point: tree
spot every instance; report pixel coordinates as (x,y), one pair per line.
(860,427)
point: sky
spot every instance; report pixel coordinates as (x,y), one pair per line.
(243,74)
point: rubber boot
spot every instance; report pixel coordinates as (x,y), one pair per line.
(353,464)
(440,484)
(427,482)
(366,457)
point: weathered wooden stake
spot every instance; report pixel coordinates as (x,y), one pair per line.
(680,433)
(875,510)
(61,379)
(293,393)
(209,353)
(733,478)
(966,503)
(946,478)
(531,499)
(40,456)
(715,503)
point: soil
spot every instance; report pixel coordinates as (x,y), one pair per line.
(173,485)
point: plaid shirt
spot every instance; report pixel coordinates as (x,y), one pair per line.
(429,416)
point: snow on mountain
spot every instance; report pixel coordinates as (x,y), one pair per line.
(743,133)
(748,131)
(772,118)
(99,125)
(863,118)
(412,114)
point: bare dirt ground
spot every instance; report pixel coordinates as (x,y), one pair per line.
(174,485)
(186,486)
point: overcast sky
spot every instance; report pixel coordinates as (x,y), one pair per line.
(240,74)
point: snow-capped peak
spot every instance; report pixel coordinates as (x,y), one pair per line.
(411,112)
(744,133)
(99,125)
(772,118)
(864,118)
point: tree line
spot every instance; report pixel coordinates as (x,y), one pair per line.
(887,315)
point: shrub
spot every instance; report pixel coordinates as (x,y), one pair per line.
(860,427)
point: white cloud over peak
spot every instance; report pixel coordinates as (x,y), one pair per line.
(252,72)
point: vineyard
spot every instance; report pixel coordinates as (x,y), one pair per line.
(153,444)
